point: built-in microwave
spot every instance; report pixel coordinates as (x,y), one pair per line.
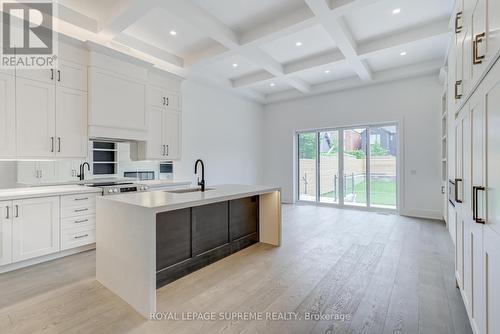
(166,170)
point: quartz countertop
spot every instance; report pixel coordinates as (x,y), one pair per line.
(163,183)
(167,201)
(33,192)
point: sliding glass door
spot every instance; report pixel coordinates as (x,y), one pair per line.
(354,159)
(329,167)
(349,166)
(307,169)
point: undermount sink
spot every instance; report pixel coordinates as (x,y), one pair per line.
(190,190)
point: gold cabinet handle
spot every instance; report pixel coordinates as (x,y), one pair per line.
(476,58)
(457,84)
(458,29)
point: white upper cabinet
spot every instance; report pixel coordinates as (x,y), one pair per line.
(155,145)
(164,127)
(52,114)
(71,123)
(172,135)
(35,114)
(71,75)
(173,100)
(7,116)
(492,110)
(35,228)
(5,233)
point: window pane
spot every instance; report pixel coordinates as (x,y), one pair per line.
(383,167)
(307,166)
(355,167)
(329,166)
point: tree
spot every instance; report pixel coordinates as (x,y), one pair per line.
(377,150)
(307,145)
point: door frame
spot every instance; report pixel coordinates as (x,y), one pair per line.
(341,204)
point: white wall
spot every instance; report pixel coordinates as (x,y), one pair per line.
(222,130)
(414,103)
(8,174)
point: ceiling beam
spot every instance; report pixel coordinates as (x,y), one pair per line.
(408,71)
(420,33)
(149,49)
(339,32)
(125,14)
(212,27)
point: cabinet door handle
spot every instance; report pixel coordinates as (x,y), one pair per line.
(81,210)
(168,151)
(81,236)
(167,102)
(8,212)
(59,75)
(164,150)
(458,28)
(17,210)
(164,102)
(51,74)
(59,144)
(476,58)
(457,84)
(51,144)
(81,221)
(475,215)
(81,199)
(456,190)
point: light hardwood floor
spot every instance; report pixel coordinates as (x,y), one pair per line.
(390,274)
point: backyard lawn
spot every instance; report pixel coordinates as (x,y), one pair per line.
(383,192)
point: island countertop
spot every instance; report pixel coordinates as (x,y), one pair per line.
(167,201)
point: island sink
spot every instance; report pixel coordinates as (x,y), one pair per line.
(147,240)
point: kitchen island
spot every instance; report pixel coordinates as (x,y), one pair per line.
(147,240)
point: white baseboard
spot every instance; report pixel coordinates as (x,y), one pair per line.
(45,258)
(419,213)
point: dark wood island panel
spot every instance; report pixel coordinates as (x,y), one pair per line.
(192,238)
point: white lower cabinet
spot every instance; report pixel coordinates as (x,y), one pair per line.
(77,220)
(492,281)
(35,230)
(5,233)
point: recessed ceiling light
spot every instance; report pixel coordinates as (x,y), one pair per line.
(298,44)
(235,65)
(272,84)
(396,11)
(402,54)
(327,71)
(173,32)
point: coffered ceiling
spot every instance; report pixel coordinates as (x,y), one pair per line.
(271,50)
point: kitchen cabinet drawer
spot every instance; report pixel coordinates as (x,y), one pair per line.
(78,222)
(78,211)
(78,200)
(77,237)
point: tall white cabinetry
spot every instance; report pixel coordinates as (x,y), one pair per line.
(164,140)
(7,115)
(51,112)
(474,116)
